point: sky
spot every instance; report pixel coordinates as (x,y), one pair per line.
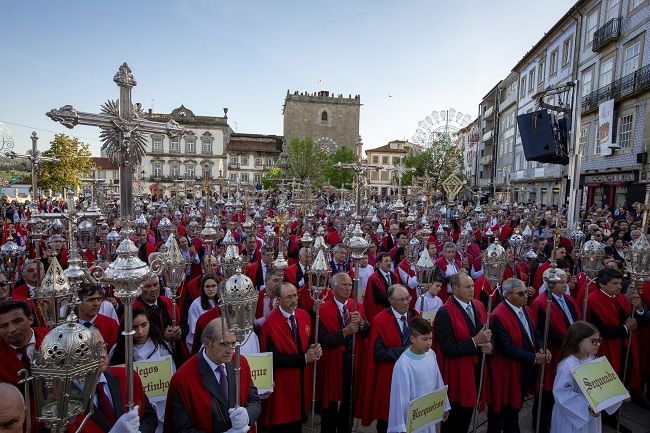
(406,58)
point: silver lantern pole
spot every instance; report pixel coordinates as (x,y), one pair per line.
(237,303)
(591,261)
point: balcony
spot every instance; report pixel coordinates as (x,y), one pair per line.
(610,32)
(623,87)
(488,112)
(486,160)
(233,166)
(487,135)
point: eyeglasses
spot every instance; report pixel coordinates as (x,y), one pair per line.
(405,299)
(595,341)
(3,283)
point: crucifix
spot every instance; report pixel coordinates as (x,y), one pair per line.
(360,170)
(34,159)
(123,132)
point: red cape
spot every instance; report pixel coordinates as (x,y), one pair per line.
(284,405)
(457,373)
(11,365)
(370,306)
(441,262)
(201,323)
(108,328)
(329,383)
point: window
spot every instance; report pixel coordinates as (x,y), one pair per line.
(323,116)
(207,172)
(584,132)
(101,174)
(190,145)
(625,131)
(566,51)
(116,174)
(396,160)
(157,144)
(606,72)
(384,175)
(175,170)
(257,178)
(234,160)
(612,9)
(587,81)
(207,145)
(244,160)
(375,159)
(373,175)
(384,160)
(245,178)
(258,162)
(597,149)
(553,64)
(631,58)
(175,145)
(591,26)
(157,170)
(531,80)
(189,171)
(540,72)
(523,86)
(233,177)
(269,162)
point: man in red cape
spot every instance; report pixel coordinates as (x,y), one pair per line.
(338,322)
(256,271)
(287,333)
(513,368)
(376,299)
(199,400)
(564,311)
(611,312)
(459,350)
(449,265)
(389,337)
(104,418)
(91,296)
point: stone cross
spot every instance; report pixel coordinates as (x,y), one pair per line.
(123,132)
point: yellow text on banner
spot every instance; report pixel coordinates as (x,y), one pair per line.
(600,384)
(155,376)
(426,410)
(261,365)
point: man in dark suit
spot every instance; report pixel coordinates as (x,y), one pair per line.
(518,351)
(460,339)
(201,394)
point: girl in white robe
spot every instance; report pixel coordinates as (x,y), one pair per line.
(571,412)
(208,299)
(415,374)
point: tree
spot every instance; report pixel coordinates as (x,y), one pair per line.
(269,180)
(338,177)
(438,161)
(74,163)
(306,160)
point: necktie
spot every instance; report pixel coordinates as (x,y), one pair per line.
(24,358)
(405,331)
(470,313)
(104,404)
(346,316)
(88,324)
(223,380)
(524,322)
(565,308)
(294,328)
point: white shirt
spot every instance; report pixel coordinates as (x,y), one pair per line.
(193,315)
(431,303)
(364,274)
(518,311)
(399,319)
(411,282)
(31,345)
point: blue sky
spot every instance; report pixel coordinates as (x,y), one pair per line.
(428,55)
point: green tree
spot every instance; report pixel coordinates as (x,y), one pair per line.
(74,163)
(306,160)
(269,180)
(338,177)
(439,160)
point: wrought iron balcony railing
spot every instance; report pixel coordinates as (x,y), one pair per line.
(623,87)
(611,31)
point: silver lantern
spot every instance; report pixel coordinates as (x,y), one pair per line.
(86,230)
(425,270)
(638,259)
(495,260)
(517,242)
(238,302)
(164,228)
(174,271)
(54,293)
(64,374)
(591,258)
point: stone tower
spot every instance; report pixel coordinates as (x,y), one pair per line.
(333,121)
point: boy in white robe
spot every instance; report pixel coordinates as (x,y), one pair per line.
(416,373)
(430,301)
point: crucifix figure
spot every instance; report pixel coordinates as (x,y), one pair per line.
(34,159)
(123,132)
(360,170)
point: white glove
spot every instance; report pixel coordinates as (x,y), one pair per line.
(239,430)
(127,423)
(238,417)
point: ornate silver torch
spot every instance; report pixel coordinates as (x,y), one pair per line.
(64,374)
(127,274)
(11,253)
(164,228)
(591,261)
(237,303)
(86,230)
(425,270)
(317,284)
(174,271)
(54,293)
(113,240)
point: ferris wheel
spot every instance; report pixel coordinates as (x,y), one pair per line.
(440,124)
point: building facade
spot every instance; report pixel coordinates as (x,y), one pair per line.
(489,130)
(107,171)
(251,155)
(614,65)
(172,165)
(468,139)
(507,91)
(332,121)
(385,181)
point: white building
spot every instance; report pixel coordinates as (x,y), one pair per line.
(251,155)
(384,180)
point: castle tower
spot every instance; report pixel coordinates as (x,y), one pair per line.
(333,121)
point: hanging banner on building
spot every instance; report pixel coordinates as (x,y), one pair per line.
(605,124)
(600,384)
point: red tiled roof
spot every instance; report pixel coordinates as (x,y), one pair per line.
(104,163)
(255,143)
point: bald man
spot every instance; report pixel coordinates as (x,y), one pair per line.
(12,409)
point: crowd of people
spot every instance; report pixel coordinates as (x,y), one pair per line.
(378,346)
